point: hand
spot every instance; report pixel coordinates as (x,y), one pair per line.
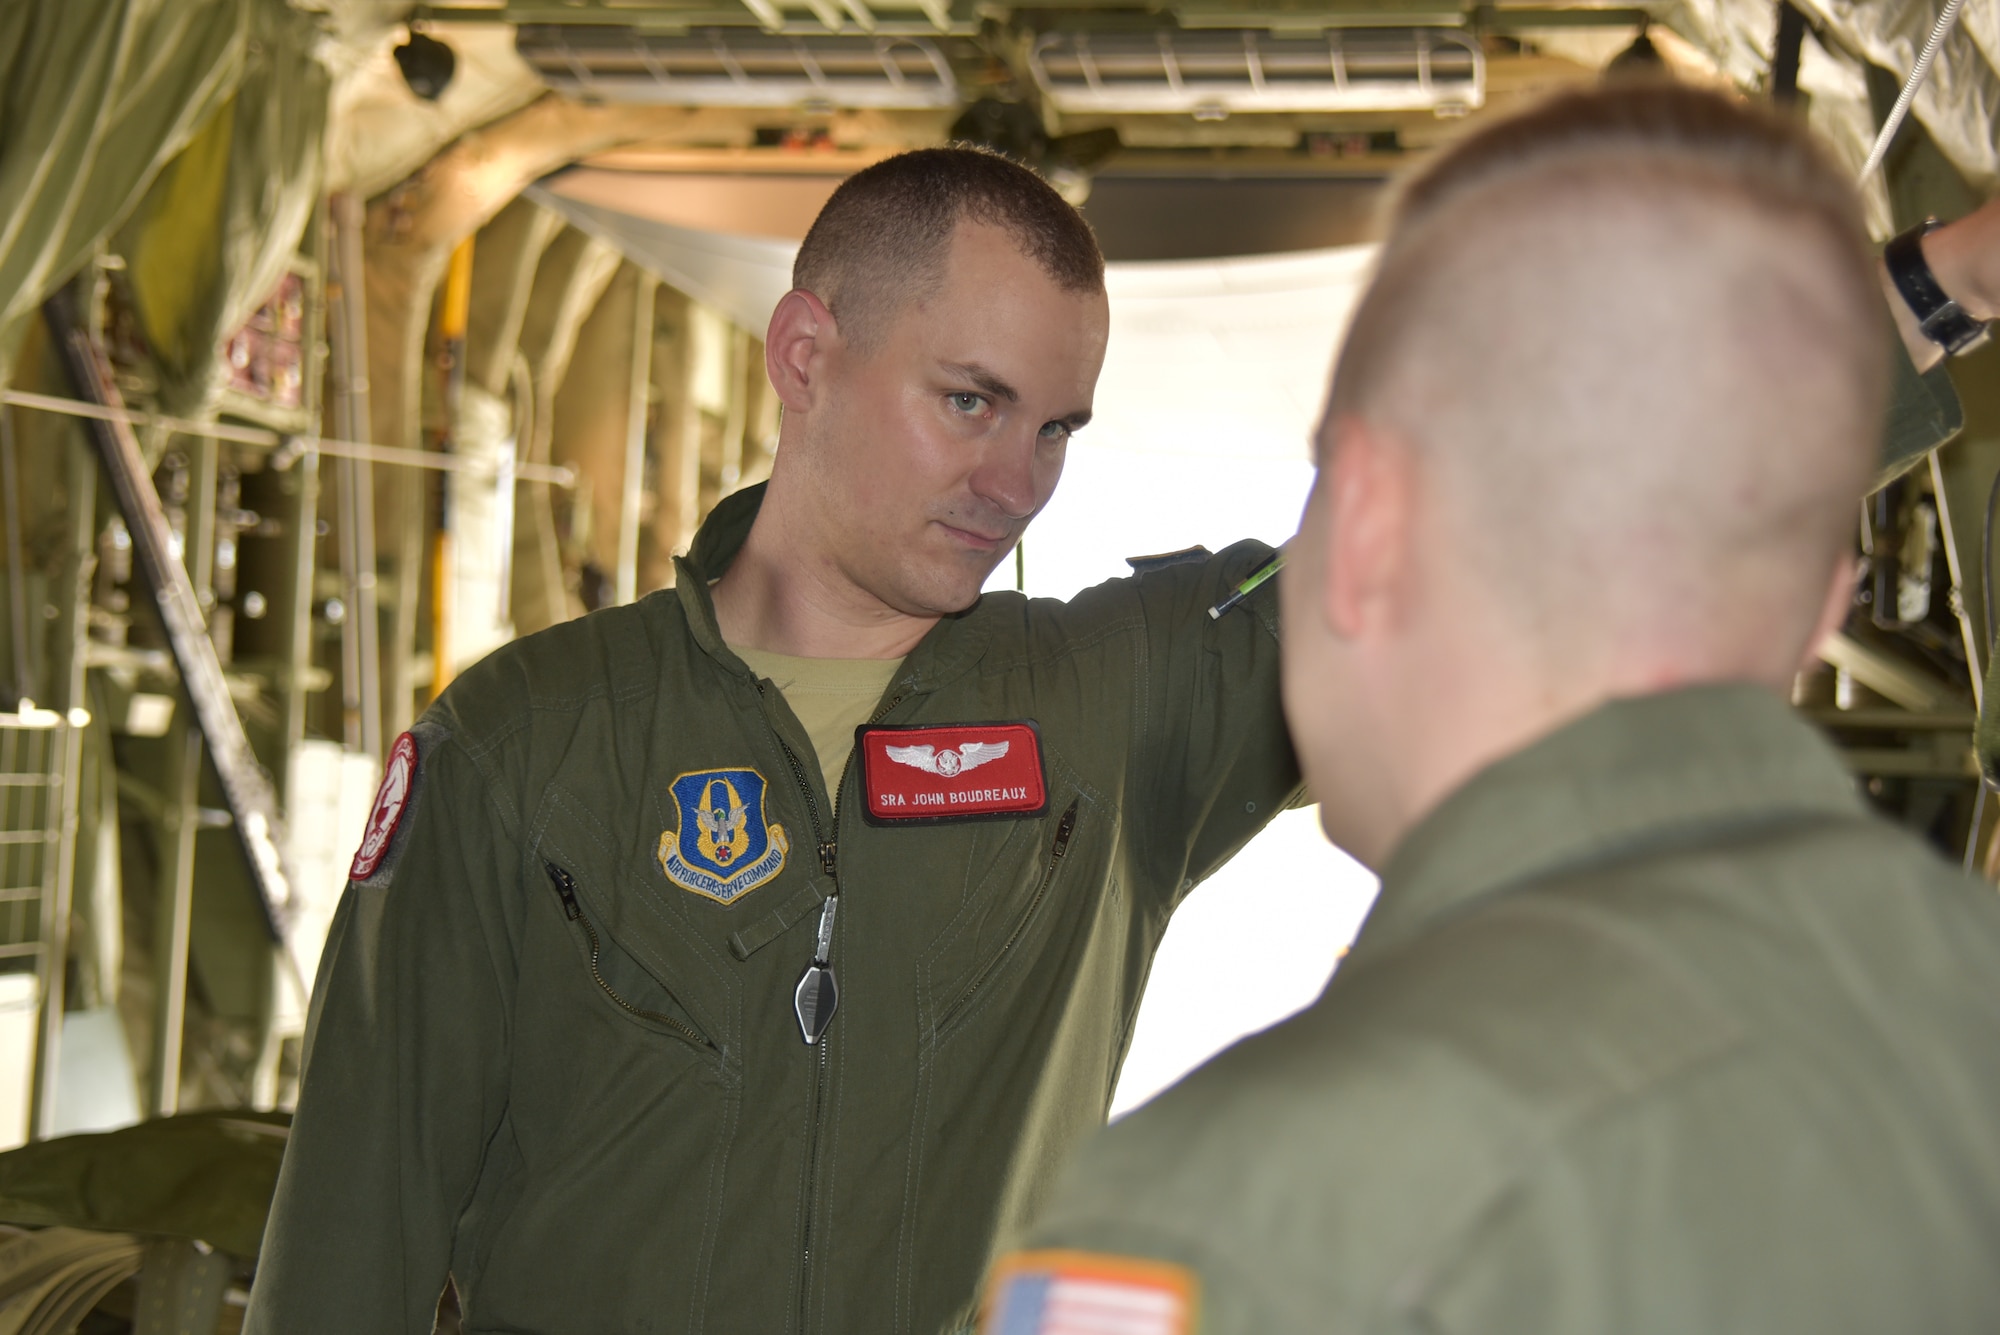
(1965,258)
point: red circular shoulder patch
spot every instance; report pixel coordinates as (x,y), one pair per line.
(391,800)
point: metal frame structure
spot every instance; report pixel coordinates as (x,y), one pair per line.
(1214,73)
(287,450)
(828,16)
(739,67)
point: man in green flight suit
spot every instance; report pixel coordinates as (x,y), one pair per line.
(1654,1028)
(743,959)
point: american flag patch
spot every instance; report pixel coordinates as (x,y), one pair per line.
(1084,1293)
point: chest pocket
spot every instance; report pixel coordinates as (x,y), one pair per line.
(631,946)
(1040,885)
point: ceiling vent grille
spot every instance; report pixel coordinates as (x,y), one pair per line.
(1214,74)
(738,67)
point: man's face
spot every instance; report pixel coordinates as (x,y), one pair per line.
(936,447)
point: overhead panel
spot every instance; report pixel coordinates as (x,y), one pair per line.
(1213,73)
(1308,15)
(740,67)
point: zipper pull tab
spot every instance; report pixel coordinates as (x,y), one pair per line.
(566,890)
(1063,831)
(816,995)
(823,947)
(829,858)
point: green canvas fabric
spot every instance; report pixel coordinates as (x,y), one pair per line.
(1924,413)
(51,1279)
(1654,1028)
(96,96)
(474,1100)
(203,1176)
(214,233)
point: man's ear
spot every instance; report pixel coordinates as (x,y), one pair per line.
(1371,483)
(802,331)
(1833,612)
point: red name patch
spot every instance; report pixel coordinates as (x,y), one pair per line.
(961,771)
(392,799)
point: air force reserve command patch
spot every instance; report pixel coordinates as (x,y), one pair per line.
(722,846)
(1085,1293)
(959,771)
(392,799)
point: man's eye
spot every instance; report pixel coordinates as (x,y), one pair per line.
(1055,431)
(967,403)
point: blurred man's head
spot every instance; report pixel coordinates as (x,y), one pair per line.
(1598,429)
(941,344)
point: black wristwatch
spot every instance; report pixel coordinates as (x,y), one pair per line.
(1943,320)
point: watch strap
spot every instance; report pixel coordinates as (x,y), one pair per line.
(1943,321)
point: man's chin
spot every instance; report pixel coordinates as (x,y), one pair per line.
(942,593)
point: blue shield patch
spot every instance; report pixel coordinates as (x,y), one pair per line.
(722,846)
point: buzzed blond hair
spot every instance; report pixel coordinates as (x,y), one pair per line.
(1639,333)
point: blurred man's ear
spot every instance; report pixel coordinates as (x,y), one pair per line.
(1371,484)
(802,331)
(1833,612)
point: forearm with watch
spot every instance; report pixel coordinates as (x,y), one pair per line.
(1943,284)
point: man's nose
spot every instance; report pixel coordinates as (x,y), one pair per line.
(1005,478)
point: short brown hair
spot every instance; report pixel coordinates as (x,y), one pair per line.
(1764,159)
(1636,337)
(1765,156)
(882,239)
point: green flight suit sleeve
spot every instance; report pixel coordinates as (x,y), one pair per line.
(406,1069)
(1216,762)
(1924,413)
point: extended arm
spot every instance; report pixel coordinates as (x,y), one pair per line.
(1219,764)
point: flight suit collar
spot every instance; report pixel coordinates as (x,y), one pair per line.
(951,647)
(1633,776)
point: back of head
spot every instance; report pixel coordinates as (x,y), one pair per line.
(1636,339)
(884,237)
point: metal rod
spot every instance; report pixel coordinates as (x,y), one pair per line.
(1894,120)
(361,627)
(340,317)
(173,914)
(455,311)
(626,580)
(1893,720)
(17,575)
(173,925)
(1972,835)
(299,647)
(289,447)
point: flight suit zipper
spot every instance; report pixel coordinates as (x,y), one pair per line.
(829,863)
(1064,829)
(565,886)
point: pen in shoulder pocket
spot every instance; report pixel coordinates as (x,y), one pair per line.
(1272,565)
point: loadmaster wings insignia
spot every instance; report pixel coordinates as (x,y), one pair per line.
(947,762)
